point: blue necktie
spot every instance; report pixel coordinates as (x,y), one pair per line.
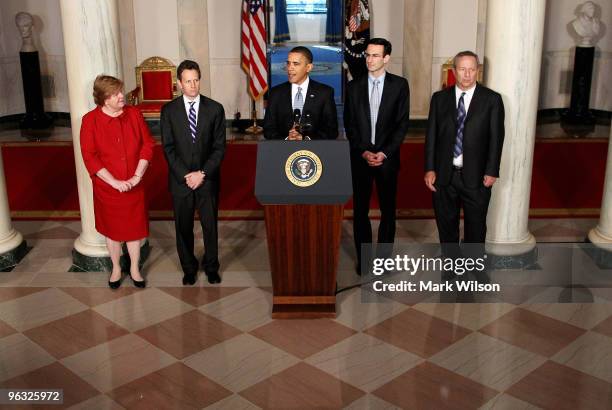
(192,121)
(458,150)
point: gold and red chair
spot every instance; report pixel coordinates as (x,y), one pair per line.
(155,86)
(448,76)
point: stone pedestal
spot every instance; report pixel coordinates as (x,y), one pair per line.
(35,117)
(579,113)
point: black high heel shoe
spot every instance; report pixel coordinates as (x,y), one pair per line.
(114,284)
(138,283)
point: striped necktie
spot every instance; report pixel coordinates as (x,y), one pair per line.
(374,104)
(298,102)
(192,121)
(458,149)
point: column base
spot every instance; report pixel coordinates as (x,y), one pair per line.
(85,263)
(10,259)
(512,255)
(601,253)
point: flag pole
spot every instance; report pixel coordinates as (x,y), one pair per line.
(254,129)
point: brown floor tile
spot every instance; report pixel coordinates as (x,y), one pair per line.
(96,296)
(604,327)
(555,386)
(428,386)
(532,331)
(73,334)
(173,387)
(187,334)
(418,332)
(303,337)
(53,376)
(302,387)
(199,296)
(14,293)
(6,330)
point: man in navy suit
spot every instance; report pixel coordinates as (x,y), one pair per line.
(463,146)
(376,114)
(313,101)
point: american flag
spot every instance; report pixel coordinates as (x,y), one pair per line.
(254,60)
(354,22)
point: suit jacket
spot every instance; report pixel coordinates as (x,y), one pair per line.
(483,136)
(391,123)
(182,154)
(319,107)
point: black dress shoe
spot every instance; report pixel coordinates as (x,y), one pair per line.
(115,284)
(213,277)
(189,279)
(139,283)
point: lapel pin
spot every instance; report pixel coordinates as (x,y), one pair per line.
(311,95)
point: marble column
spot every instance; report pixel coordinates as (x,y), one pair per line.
(418,54)
(513,55)
(193,37)
(127,36)
(601,235)
(91,41)
(12,246)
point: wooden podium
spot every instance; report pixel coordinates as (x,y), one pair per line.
(303,186)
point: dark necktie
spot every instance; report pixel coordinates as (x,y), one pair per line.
(192,121)
(374,105)
(458,150)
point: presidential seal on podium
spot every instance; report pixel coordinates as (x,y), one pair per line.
(303,168)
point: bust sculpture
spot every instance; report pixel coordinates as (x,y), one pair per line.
(25,22)
(586,25)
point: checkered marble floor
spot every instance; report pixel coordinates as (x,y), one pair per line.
(216,347)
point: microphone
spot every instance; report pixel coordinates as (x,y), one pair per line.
(297,115)
(306,126)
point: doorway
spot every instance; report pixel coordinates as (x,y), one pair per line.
(315,24)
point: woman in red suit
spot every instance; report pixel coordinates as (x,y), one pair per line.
(117,147)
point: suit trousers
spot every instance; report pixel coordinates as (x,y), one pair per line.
(205,200)
(364,177)
(447,202)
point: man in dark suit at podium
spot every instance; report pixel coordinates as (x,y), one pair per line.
(376,114)
(463,147)
(301,100)
(193,139)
